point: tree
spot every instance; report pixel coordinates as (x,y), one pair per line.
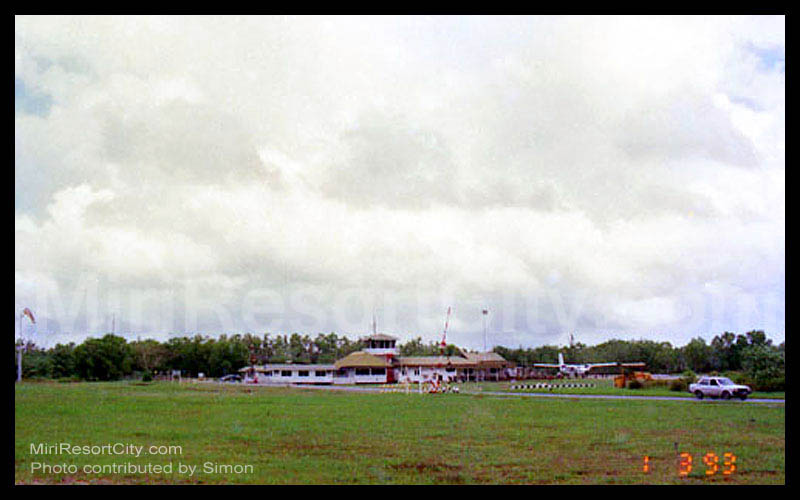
(727,351)
(765,367)
(107,358)
(149,354)
(62,359)
(758,337)
(36,362)
(697,355)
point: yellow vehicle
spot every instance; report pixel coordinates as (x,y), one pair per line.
(621,381)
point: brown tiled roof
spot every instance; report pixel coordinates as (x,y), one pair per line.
(434,361)
(380,336)
(484,356)
(362,359)
(488,359)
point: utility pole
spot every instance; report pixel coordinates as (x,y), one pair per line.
(19,351)
(485,313)
(25,312)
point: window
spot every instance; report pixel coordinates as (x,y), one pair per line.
(450,369)
(302,373)
(379,371)
(286,373)
(362,371)
(492,370)
(320,373)
(713,382)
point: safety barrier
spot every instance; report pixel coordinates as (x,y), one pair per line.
(415,388)
(552,386)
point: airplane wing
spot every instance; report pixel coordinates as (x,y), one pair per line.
(601,365)
(633,365)
(617,364)
(546,365)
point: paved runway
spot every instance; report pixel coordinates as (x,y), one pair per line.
(545,395)
(609,396)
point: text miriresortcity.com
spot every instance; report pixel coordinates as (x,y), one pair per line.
(103,449)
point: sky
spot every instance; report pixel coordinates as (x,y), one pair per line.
(606,177)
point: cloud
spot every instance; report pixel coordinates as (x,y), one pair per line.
(611,176)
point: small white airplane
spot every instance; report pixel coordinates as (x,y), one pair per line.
(580,370)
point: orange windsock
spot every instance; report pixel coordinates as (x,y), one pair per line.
(27,312)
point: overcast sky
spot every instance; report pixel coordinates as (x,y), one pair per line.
(607,177)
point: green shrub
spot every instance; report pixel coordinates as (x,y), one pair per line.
(772,384)
(635,384)
(738,377)
(762,382)
(147,376)
(678,385)
(688,377)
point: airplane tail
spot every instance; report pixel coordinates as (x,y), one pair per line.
(560,359)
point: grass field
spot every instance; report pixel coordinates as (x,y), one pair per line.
(298,436)
(602,386)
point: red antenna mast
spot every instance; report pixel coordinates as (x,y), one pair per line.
(444,335)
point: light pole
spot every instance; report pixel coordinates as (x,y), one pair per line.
(19,351)
(25,312)
(485,313)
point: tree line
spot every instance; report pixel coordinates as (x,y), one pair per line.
(750,358)
(113,357)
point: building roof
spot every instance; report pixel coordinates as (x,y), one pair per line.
(380,336)
(292,366)
(434,361)
(487,358)
(484,356)
(362,359)
(288,366)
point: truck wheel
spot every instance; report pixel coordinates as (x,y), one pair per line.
(726,395)
(699,394)
(743,396)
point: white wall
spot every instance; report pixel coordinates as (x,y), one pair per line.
(352,378)
(425,373)
(294,378)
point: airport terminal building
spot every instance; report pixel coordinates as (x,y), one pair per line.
(380,363)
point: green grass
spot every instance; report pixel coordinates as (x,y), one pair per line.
(602,387)
(298,436)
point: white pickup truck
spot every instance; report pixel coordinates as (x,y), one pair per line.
(719,387)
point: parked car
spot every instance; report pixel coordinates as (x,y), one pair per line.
(719,387)
(232,378)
